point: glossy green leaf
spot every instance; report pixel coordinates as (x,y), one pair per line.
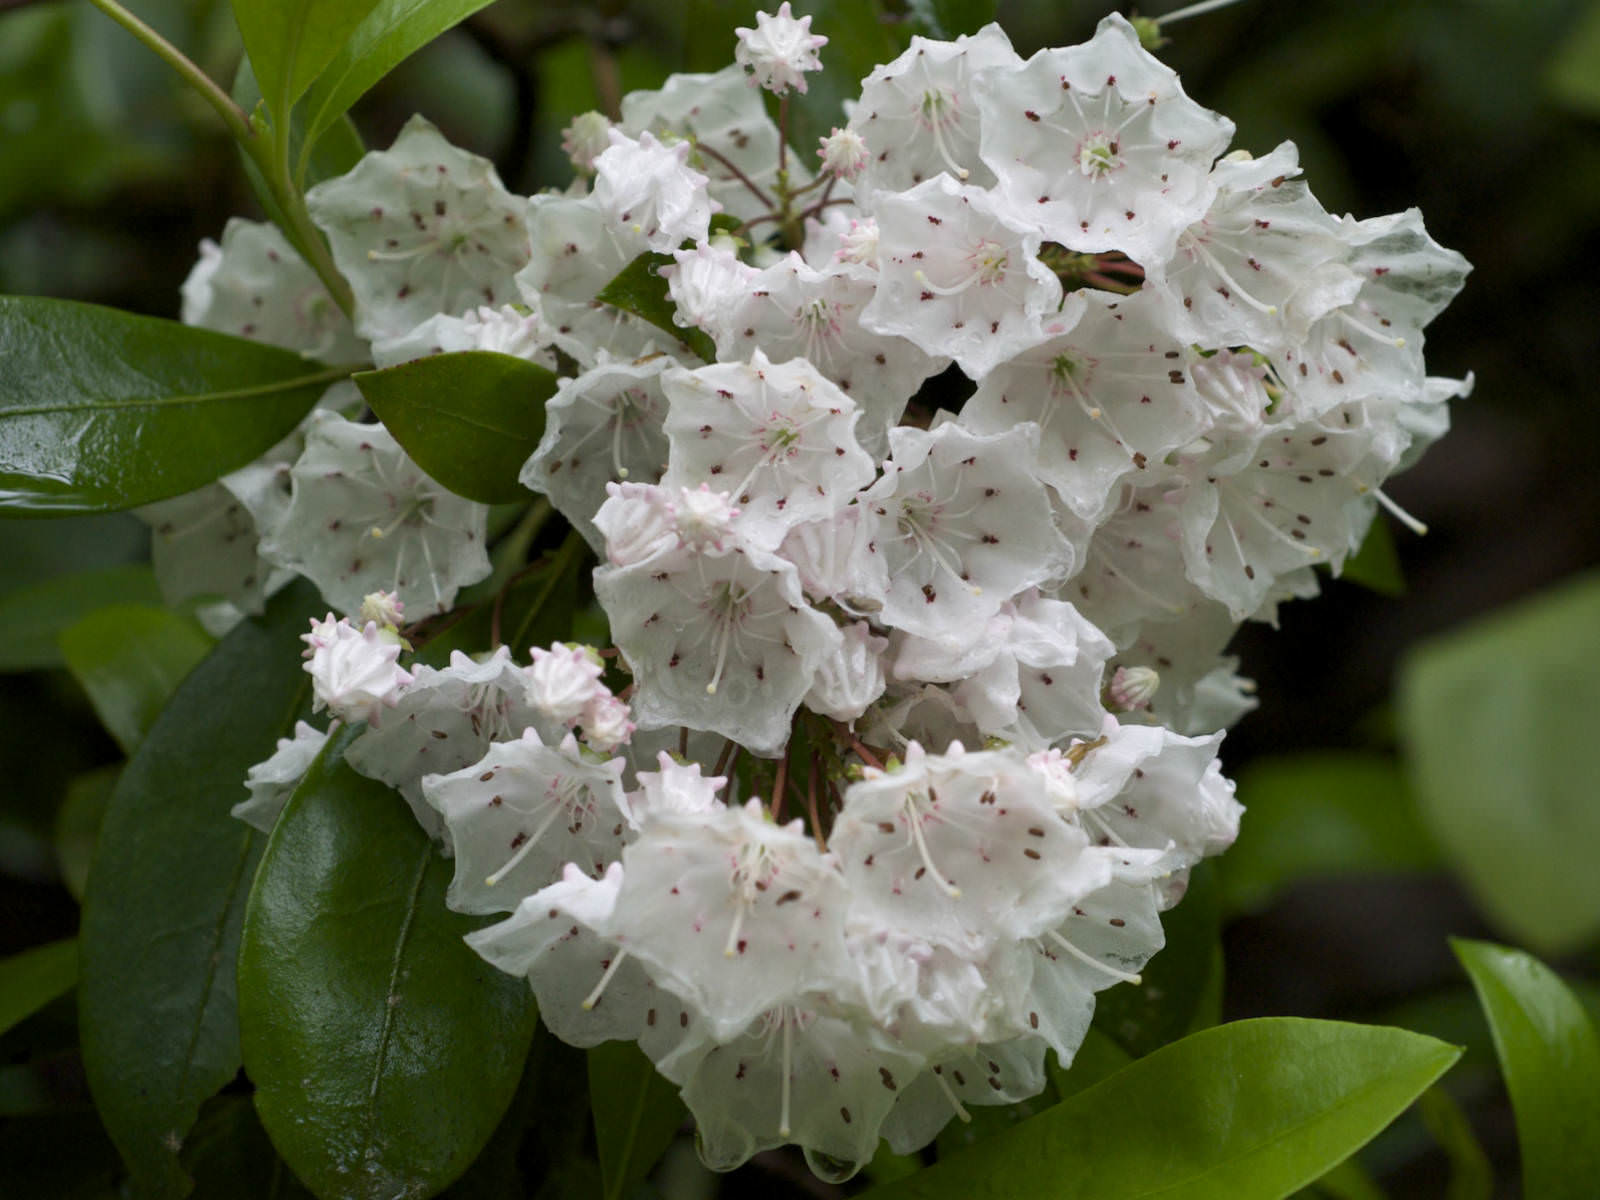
(33,978)
(78,821)
(638,289)
(1247,1111)
(383,1049)
(1318,815)
(291,42)
(167,889)
(1376,565)
(130,659)
(1164,1005)
(389,34)
(33,617)
(636,1114)
(469,419)
(1498,719)
(1550,1055)
(1471,1177)
(102,410)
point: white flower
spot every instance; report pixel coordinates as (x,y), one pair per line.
(636,523)
(563,681)
(676,788)
(585,139)
(384,608)
(844,153)
(959,275)
(607,723)
(647,187)
(851,677)
(272,781)
(520,812)
(1133,688)
(704,519)
(354,672)
(779,50)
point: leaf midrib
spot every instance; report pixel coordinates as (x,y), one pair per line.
(114,403)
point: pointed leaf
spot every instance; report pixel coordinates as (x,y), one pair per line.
(1247,1111)
(290,42)
(638,289)
(383,1050)
(469,419)
(1471,1176)
(30,980)
(130,658)
(636,1114)
(1376,565)
(1550,1055)
(33,617)
(1498,719)
(103,410)
(390,33)
(166,894)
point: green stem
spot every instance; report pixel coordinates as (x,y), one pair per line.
(566,556)
(232,115)
(273,160)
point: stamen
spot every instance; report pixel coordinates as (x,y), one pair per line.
(731,949)
(914,819)
(950,1095)
(593,997)
(788,1055)
(1124,976)
(1376,334)
(522,851)
(1233,285)
(1400,514)
(933,106)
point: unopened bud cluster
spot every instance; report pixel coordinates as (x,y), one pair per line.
(922,705)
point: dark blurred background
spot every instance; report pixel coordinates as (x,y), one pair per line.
(1483,113)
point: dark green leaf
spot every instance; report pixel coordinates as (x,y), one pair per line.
(1498,719)
(497,1173)
(102,410)
(1317,815)
(947,19)
(30,980)
(130,659)
(1376,565)
(290,42)
(640,290)
(383,1050)
(33,617)
(78,824)
(231,1158)
(1471,1177)
(636,1114)
(1247,1111)
(1550,1055)
(1574,74)
(1163,1007)
(390,33)
(167,890)
(469,419)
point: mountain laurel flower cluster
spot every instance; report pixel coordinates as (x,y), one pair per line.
(1023,391)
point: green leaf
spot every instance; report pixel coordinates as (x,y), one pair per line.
(167,888)
(389,34)
(1244,1111)
(1163,1007)
(947,19)
(1471,1177)
(470,419)
(1376,565)
(636,1114)
(383,1049)
(102,410)
(291,42)
(638,289)
(231,1158)
(33,617)
(1498,719)
(1574,75)
(130,659)
(78,821)
(1347,1181)
(1318,815)
(330,155)
(1550,1055)
(30,980)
